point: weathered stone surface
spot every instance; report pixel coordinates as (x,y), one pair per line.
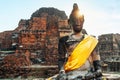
(109,49)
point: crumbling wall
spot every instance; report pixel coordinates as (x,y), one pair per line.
(110,51)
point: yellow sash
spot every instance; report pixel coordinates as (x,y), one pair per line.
(81,53)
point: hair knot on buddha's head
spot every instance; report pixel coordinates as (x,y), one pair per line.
(75,14)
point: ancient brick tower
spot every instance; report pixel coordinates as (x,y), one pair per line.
(40,34)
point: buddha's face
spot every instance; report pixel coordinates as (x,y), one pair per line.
(77,24)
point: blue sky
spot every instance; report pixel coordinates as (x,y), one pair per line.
(101,16)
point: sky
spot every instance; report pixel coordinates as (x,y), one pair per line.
(101,16)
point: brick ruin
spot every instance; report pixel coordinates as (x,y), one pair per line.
(41,37)
(109,48)
(5,40)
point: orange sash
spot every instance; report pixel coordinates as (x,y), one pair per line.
(81,53)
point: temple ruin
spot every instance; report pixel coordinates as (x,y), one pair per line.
(109,49)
